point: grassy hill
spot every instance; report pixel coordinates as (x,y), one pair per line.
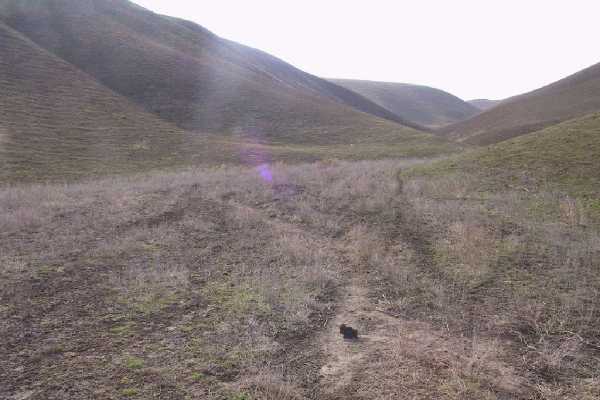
(103,87)
(189,76)
(574,96)
(56,120)
(484,104)
(420,104)
(564,156)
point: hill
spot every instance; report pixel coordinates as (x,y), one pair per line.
(189,76)
(101,87)
(574,96)
(420,104)
(56,120)
(484,104)
(564,156)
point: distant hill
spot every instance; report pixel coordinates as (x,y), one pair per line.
(574,96)
(566,156)
(55,119)
(419,104)
(484,104)
(188,76)
(104,86)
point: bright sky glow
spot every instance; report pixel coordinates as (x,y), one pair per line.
(471,48)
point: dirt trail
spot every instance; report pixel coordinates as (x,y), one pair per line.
(398,357)
(344,359)
(343,355)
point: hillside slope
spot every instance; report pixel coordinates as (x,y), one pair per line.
(192,78)
(566,156)
(56,120)
(484,104)
(574,96)
(420,104)
(107,87)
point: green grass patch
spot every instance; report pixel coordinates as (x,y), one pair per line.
(129,392)
(240,396)
(134,363)
(236,300)
(122,330)
(197,376)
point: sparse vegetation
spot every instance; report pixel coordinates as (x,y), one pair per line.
(129,392)
(173,95)
(564,157)
(568,98)
(218,277)
(516,267)
(422,105)
(134,363)
(184,217)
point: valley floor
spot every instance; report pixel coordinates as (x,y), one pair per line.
(230,283)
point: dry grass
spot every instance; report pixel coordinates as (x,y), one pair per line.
(205,270)
(512,264)
(267,385)
(218,279)
(571,97)
(421,104)
(91,91)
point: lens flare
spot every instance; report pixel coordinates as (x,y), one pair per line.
(265,172)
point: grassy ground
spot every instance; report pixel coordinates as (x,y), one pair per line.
(509,238)
(186,284)
(228,283)
(511,269)
(64,161)
(564,157)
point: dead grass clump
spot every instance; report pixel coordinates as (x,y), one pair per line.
(267,385)
(468,251)
(306,257)
(364,246)
(148,288)
(303,271)
(10,265)
(580,389)
(422,362)
(152,276)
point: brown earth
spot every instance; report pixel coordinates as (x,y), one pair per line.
(231,283)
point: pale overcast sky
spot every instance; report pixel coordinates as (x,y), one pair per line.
(471,48)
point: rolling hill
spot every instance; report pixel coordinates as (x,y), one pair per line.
(55,119)
(571,97)
(189,76)
(484,104)
(104,86)
(564,156)
(420,104)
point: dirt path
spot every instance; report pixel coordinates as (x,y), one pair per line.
(345,359)
(343,355)
(399,358)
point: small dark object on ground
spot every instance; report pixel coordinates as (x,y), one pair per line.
(348,332)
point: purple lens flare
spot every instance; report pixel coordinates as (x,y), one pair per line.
(265,172)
